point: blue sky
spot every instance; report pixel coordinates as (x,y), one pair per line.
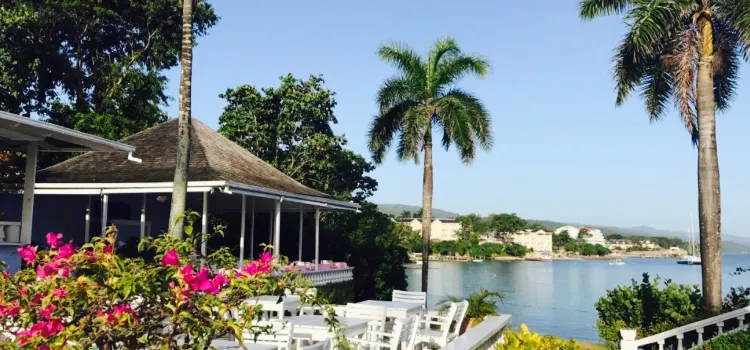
(563,150)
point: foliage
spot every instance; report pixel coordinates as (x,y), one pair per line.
(482,303)
(586,249)
(664,242)
(337,293)
(526,340)
(737,298)
(473,224)
(504,224)
(369,241)
(560,240)
(465,247)
(289,127)
(646,308)
(584,233)
(93,296)
(733,341)
(410,239)
(67,79)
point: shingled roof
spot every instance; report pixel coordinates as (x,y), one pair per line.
(212,158)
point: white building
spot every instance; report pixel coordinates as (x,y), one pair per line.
(441,229)
(538,241)
(596,236)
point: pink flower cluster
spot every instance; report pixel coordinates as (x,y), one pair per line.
(115,315)
(201,281)
(9,309)
(46,329)
(262,265)
(59,266)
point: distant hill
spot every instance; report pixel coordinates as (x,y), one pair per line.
(731,243)
(397,209)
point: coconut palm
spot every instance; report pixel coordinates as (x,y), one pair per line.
(482,303)
(686,52)
(422,96)
(179,192)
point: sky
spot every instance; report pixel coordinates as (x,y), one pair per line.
(562,150)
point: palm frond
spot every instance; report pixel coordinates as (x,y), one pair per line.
(455,67)
(385,127)
(594,8)
(413,129)
(482,303)
(478,117)
(443,47)
(651,23)
(452,116)
(736,14)
(406,60)
(727,50)
(657,89)
(396,91)
(682,63)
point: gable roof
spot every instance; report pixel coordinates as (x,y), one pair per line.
(213,157)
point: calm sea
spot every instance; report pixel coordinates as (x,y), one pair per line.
(558,297)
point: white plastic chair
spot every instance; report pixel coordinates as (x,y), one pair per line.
(447,326)
(409,332)
(409,297)
(323,345)
(385,340)
(280,335)
(376,315)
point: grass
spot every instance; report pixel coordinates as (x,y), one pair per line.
(590,346)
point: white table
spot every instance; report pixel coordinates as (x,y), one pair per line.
(229,344)
(270,303)
(316,326)
(395,309)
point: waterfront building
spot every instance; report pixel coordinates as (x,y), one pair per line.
(538,241)
(441,229)
(595,235)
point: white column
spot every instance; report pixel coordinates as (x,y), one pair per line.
(277,230)
(105,208)
(28,192)
(301,217)
(242,231)
(252,228)
(270,227)
(143,216)
(87,230)
(317,237)
(204,224)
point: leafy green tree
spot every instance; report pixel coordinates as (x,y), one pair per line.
(505,224)
(583,234)
(410,239)
(289,127)
(534,226)
(473,223)
(424,95)
(689,52)
(561,239)
(405,214)
(93,66)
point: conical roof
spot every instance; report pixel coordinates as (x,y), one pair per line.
(213,157)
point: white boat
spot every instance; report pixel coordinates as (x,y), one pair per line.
(616,262)
(690,258)
(478,260)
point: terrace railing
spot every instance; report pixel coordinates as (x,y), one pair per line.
(696,331)
(482,337)
(329,276)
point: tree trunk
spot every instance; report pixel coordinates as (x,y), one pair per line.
(179,193)
(426,204)
(709,198)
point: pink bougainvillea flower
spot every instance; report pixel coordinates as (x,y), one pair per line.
(42,347)
(107,249)
(90,255)
(59,293)
(23,290)
(28,254)
(47,329)
(171,284)
(51,269)
(250,269)
(47,311)
(6,274)
(22,336)
(10,309)
(65,251)
(54,240)
(37,298)
(220,280)
(266,258)
(201,282)
(187,273)
(171,258)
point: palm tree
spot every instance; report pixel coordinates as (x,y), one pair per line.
(482,303)
(179,193)
(421,96)
(687,52)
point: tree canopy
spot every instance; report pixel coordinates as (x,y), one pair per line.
(504,224)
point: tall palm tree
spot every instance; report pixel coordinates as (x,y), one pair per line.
(687,52)
(179,193)
(423,95)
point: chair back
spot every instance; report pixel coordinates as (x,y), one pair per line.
(409,297)
(323,345)
(278,333)
(409,331)
(376,314)
(458,317)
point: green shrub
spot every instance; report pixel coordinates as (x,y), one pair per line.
(337,293)
(481,304)
(736,299)
(646,308)
(732,341)
(527,340)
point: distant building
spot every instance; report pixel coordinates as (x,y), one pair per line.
(538,241)
(648,244)
(621,245)
(596,236)
(441,229)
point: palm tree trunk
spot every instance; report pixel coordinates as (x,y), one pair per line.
(709,198)
(426,205)
(179,193)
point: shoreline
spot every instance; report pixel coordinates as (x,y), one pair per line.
(570,258)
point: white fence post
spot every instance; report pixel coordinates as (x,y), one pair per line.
(628,339)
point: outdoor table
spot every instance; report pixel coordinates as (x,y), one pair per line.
(395,309)
(229,344)
(318,329)
(270,303)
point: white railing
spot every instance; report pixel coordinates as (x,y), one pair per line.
(10,232)
(482,337)
(629,342)
(329,276)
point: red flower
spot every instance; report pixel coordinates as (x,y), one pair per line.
(65,251)
(28,254)
(59,293)
(187,274)
(9,310)
(171,258)
(265,258)
(107,249)
(54,240)
(47,311)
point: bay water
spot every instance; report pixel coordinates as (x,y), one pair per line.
(558,297)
